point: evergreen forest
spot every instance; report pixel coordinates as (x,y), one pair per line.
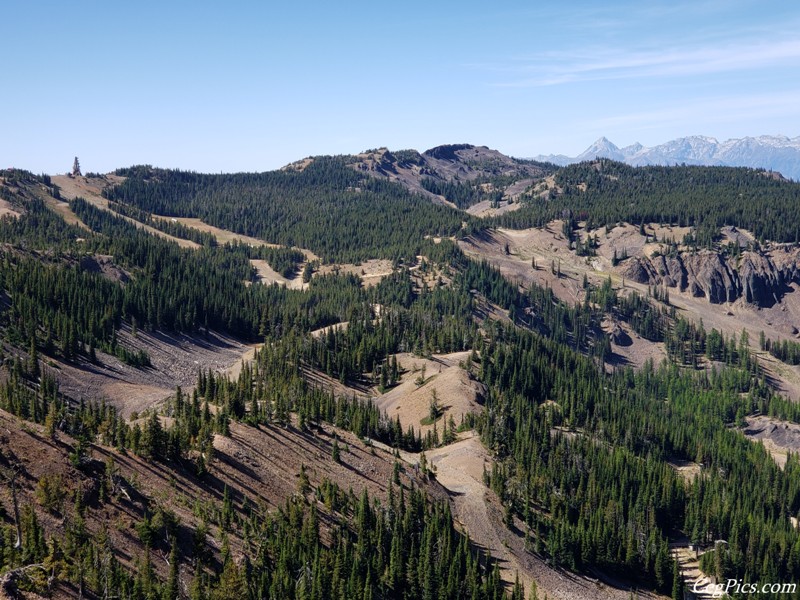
(583,449)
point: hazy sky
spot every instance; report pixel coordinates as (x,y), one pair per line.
(233,86)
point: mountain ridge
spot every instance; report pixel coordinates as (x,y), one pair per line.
(773,152)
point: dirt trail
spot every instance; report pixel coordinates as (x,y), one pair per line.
(248,356)
(478,511)
(459,468)
(267,276)
(689,564)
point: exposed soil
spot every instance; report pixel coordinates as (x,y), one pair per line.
(7,209)
(550,250)
(247,357)
(689,564)
(485,209)
(176,359)
(267,276)
(410,400)
(446,163)
(104,265)
(90,189)
(687,469)
(636,352)
(785,378)
(260,465)
(546,247)
(224,236)
(335,327)
(459,468)
(370,271)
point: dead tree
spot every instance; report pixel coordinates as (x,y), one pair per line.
(76,168)
(11,476)
(15,501)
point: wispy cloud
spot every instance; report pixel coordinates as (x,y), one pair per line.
(603,64)
(707,110)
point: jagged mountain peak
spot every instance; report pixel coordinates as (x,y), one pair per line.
(774,152)
(633,148)
(603,148)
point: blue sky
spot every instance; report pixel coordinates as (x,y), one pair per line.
(235,86)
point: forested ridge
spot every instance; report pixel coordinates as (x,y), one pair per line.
(583,455)
(328,207)
(606,192)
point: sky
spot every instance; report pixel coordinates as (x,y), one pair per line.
(252,86)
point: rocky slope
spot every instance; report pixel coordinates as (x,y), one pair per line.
(450,163)
(760,278)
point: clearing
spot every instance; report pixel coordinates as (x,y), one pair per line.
(457,393)
(176,359)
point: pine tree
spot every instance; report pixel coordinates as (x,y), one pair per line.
(677,582)
(51,420)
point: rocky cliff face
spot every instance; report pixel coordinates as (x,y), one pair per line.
(761,278)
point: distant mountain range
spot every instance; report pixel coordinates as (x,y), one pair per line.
(776,153)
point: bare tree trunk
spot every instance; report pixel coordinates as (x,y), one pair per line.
(18,544)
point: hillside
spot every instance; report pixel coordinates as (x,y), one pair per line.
(605,192)
(295,335)
(295,207)
(149,512)
(461,175)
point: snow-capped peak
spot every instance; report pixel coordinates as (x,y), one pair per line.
(773,152)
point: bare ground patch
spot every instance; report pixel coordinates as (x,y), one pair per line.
(370,271)
(689,565)
(176,359)
(259,466)
(486,208)
(90,189)
(325,330)
(271,458)
(687,469)
(546,248)
(478,511)
(247,357)
(6,209)
(457,392)
(637,352)
(268,276)
(549,250)
(225,236)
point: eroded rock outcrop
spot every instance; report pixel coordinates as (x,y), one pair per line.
(761,278)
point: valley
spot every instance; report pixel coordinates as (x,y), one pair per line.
(175,361)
